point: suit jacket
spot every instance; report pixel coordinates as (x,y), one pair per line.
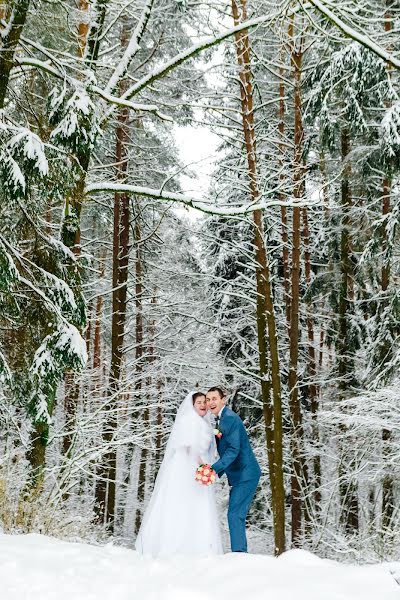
(237,458)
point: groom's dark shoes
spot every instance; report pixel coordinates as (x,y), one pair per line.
(237,460)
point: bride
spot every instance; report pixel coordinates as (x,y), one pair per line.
(181,517)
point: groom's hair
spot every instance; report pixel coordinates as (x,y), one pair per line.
(217,389)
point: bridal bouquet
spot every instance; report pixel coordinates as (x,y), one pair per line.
(205,474)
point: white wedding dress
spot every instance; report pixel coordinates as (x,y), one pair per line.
(181,517)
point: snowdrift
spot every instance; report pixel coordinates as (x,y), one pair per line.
(34,566)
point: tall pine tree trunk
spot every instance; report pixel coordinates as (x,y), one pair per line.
(313,390)
(281,195)
(139,331)
(143,469)
(9,44)
(17,13)
(72,385)
(388,500)
(265,308)
(296,433)
(348,487)
(97,321)
(4,10)
(106,487)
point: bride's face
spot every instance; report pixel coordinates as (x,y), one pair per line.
(200,405)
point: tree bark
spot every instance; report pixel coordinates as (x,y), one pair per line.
(72,386)
(313,389)
(388,499)
(281,195)
(36,454)
(265,307)
(348,487)
(97,320)
(106,487)
(3,12)
(97,337)
(9,44)
(296,434)
(139,327)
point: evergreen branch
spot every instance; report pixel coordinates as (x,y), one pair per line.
(352,33)
(45,66)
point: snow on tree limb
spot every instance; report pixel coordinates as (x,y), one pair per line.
(204,44)
(5,371)
(159,72)
(351,32)
(152,108)
(209,208)
(64,347)
(43,65)
(108,97)
(131,49)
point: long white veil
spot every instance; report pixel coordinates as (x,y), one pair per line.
(191,440)
(189,428)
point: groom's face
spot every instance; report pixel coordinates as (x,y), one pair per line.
(215,402)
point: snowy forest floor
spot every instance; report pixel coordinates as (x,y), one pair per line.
(34,566)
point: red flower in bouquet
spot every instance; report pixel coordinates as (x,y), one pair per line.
(218,433)
(205,474)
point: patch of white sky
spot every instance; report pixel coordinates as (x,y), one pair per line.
(197,143)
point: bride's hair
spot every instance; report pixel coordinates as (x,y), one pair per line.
(197,395)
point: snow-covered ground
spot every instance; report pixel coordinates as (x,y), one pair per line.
(34,567)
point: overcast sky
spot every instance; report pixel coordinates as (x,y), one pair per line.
(197,148)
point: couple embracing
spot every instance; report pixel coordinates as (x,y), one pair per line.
(182,517)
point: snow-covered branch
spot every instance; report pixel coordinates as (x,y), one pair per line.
(131,49)
(204,44)
(111,99)
(152,108)
(206,207)
(352,32)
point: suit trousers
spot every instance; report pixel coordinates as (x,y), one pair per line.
(240,499)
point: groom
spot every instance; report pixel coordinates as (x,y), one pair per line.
(237,460)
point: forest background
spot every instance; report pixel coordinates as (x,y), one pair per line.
(116,298)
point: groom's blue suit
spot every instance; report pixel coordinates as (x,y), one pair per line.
(237,460)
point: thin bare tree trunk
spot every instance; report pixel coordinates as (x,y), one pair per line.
(265,308)
(97,327)
(313,389)
(97,337)
(388,499)
(159,422)
(83,27)
(139,363)
(97,333)
(106,486)
(281,195)
(348,487)
(296,435)
(159,425)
